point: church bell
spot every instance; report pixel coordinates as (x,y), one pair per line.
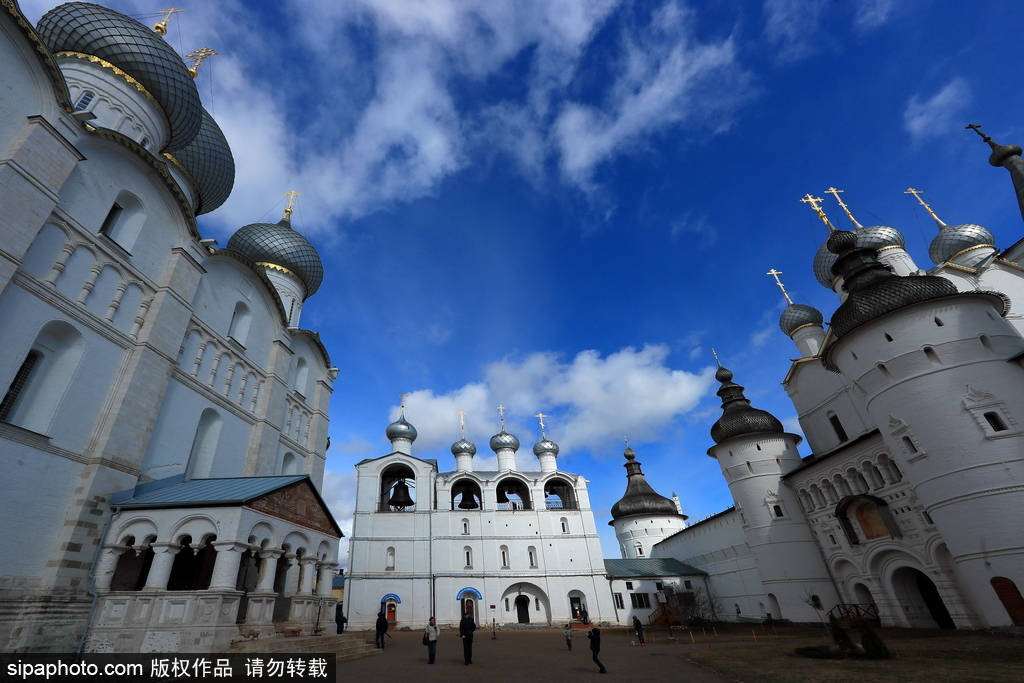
(400,496)
(468,502)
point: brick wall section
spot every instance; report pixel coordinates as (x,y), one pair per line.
(297,504)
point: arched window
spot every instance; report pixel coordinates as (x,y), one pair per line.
(390,559)
(777,509)
(124,220)
(466,495)
(565,525)
(40,383)
(559,495)
(397,487)
(192,569)
(289,464)
(465,527)
(504,557)
(532,552)
(240,319)
(513,495)
(204,445)
(995,421)
(301,375)
(468,553)
(84,100)
(837,426)
(638,546)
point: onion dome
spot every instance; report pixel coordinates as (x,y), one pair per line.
(545,447)
(209,161)
(640,498)
(953,239)
(401,429)
(279,245)
(797,315)
(463,447)
(738,416)
(871,237)
(873,289)
(135,49)
(823,262)
(504,440)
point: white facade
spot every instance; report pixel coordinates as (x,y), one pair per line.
(511,546)
(907,508)
(133,355)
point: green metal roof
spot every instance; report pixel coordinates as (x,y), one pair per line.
(649,566)
(201,492)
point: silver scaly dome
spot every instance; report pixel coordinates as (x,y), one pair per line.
(545,446)
(279,244)
(504,440)
(135,49)
(871,237)
(952,239)
(400,429)
(798,315)
(209,161)
(463,447)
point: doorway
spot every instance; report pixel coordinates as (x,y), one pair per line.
(469,607)
(523,609)
(920,600)
(576,606)
(392,610)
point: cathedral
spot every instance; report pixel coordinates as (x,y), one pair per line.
(912,403)
(163,416)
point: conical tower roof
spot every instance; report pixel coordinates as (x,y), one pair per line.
(640,498)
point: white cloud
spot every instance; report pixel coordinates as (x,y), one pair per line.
(791,25)
(592,401)
(873,13)
(930,116)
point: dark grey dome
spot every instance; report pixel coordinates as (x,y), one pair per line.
(798,315)
(952,239)
(640,498)
(462,446)
(872,237)
(738,416)
(545,446)
(504,440)
(209,161)
(135,49)
(277,243)
(400,429)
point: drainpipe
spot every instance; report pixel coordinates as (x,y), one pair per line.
(611,590)
(92,581)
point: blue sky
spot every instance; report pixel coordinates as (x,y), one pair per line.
(561,206)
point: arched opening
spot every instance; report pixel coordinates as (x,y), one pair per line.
(531,553)
(865,518)
(397,484)
(863,596)
(467,553)
(773,605)
(240,320)
(1008,594)
(204,445)
(466,495)
(301,376)
(469,607)
(391,610)
(84,100)
(389,559)
(124,220)
(193,567)
(503,556)
(920,600)
(523,609)
(559,495)
(564,524)
(41,382)
(289,464)
(133,565)
(513,495)
(837,426)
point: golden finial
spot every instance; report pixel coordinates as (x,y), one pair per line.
(775,274)
(291,203)
(161,26)
(198,57)
(541,417)
(977,129)
(462,424)
(501,414)
(815,203)
(835,193)
(917,195)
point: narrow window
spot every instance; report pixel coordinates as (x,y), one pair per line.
(390,559)
(504,558)
(533,557)
(832,539)
(909,445)
(618,601)
(932,357)
(687,585)
(465,527)
(887,337)
(239,327)
(469,558)
(778,510)
(629,585)
(995,422)
(145,142)
(838,427)
(927,517)
(639,550)
(659,585)
(986,342)
(536,604)
(110,221)
(938,322)
(506,604)
(565,525)
(85,100)
(18,385)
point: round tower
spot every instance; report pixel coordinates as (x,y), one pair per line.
(940,373)
(642,517)
(754,451)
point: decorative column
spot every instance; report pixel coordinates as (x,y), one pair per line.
(268,570)
(324,579)
(225,566)
(306,576)
(291,578)
(107,565)
(160,569)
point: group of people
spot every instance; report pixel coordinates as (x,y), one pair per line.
(594,635)
(466,628)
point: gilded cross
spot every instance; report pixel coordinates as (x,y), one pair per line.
(462,423)
(198,57)
(835,193)
(292,194)
(501,414)
(917,195)
(815,203)
(541,416)
(161,26)
(775,274)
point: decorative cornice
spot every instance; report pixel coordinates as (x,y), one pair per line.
(60,86)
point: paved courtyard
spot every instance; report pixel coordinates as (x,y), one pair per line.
(528,655)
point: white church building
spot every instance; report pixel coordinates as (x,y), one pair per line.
(510,546)
(907,508)
(163,416)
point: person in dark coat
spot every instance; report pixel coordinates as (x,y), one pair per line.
(595,647)
(639,628)
(466,628)
(340,620)
(382,629)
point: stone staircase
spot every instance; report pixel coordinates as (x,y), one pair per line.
(345,646)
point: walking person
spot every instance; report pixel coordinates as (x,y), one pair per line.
(568,635)
(639,628)
(340,620)
(466,628)
(430,635)
(382,629)
(595,647)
